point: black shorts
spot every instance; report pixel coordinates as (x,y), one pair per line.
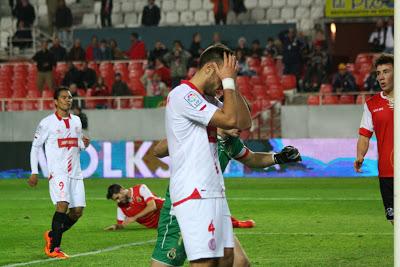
(386,186)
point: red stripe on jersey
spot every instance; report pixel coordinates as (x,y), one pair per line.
(67,142)
(119,222)
(149,199)
(365,132)
(203,107)
(194,195)
(66,121)
(244,155)
(212,134)
(191,85)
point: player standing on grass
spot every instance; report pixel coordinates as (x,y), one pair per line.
(61,133)
(196,184)
(378,117)
(169,249)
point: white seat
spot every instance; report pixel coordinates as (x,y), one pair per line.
(293,3)
(69,2)
(127,7)
(278,3)
(251,4)
(200,16)
(4,39)
(195,5)
(302,12)
(42,10)
(162,19)
(244,18)
(306,24)
(306,3)
(273,13)
(319,2)
(287,13)
(118,19)
(168,5)
(264,3)
(6,22)
(97,21)
(42,3)
(139,5)
(258,14)
(186,17)
(97,8)
(317,12)
(181,5)
(172,18)
(231,18)
(116,8)
(131,19)
(207,5)
(89,20)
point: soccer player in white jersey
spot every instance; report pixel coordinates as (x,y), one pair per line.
(61,133)
(197,186)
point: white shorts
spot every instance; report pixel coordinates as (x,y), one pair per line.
(206,227)
(68,190)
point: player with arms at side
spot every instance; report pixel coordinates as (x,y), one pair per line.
(378,117)
(61,133)
(196,185)
(169,249)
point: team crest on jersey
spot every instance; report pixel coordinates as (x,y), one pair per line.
(193,99)
(138,199)
(171,254)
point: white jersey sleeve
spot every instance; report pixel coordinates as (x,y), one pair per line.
(146,193)
(40,138)
(80,136)
(366,127)
(194,107)
(120,216)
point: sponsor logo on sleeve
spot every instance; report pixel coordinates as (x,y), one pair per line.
(193,99)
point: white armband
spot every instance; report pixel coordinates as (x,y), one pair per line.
(228,84)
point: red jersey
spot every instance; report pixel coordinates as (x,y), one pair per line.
(140,196)
(378,117)
(137,51)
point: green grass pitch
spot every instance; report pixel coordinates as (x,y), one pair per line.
(300,222)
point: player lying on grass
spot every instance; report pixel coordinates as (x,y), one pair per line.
(169,249)
(139,204)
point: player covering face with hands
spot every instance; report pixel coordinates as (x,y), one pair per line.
(61,133)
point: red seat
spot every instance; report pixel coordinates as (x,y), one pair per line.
(259,91)
(33,94)
(256,80)
(269,70)
(313,100)
(5,93)
(242,80)
(30,105)
(361,99)
(272,80)
(326,88)
(81,92)
(276,93)
(267,61)
(48,104)
(136,65)
(330,100)
(135,74)
(346,99)
(288,82)
(253,62)
(19,93)
(136,102)
(137,88)
(13,105)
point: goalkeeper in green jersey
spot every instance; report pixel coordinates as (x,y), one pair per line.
(169,249)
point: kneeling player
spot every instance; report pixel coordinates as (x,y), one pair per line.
(169,249)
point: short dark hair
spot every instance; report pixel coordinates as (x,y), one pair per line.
(214,53)
(59,90)
(384,58)
(113,189)
(256,41)
(135,34)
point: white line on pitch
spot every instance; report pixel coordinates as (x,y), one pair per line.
(85,253)
(313,234)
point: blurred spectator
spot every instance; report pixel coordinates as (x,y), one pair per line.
(25,12)
(45,63)
(216,38)
(151,14)
(92,49)
(105,13)
(318,37)
(22,37)
(100,89)
(154,86)
(88,76)
(343,81)
(178,60)
(371,83)
(137,49)
(238,7)
(59,52)
(73,88)
(389,39)
(195,47)
(256,51)
(271,49)
(51,14)
(120,88)
(158,52)
(242,64)
(316,70)
(76,53)
(73,75)
(292,52)
(64,23)
(377,37)
(104,51)
(163,71)
(242,46)
(84,119)
(221,8)
(116,53)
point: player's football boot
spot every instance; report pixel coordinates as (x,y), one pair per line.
(58,253)
(246,224)
(47,239)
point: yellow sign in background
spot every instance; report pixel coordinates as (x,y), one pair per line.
(359,8)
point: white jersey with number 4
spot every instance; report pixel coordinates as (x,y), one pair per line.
(192,145)
(63,141)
